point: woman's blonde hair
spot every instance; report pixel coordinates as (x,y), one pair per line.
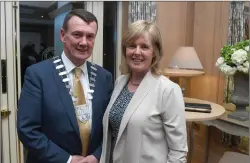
(137,29)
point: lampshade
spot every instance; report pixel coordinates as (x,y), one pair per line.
(185,58)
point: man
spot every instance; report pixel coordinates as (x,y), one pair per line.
(63,99)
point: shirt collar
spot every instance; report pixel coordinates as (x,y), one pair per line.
(69,66)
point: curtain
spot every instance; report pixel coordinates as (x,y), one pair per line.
(236,24)
(141,10)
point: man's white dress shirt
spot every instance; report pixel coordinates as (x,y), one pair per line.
(69,66)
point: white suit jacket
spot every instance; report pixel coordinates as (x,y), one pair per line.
(153,127)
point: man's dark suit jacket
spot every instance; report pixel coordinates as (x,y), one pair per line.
(46,120)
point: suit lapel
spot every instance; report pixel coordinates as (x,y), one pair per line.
(93,101)
(140,94)
(66,100)
(88,69)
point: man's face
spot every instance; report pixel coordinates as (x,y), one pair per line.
(79,39)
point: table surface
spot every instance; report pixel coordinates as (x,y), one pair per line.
(217,111)
(182,72)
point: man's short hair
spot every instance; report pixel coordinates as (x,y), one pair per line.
(85,15)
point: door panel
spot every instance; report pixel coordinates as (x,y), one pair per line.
(4,120)
(8,53)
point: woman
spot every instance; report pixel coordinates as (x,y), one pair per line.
(144,121)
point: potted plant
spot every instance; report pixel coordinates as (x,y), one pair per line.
(234,61)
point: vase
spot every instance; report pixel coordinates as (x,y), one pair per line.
(240,96)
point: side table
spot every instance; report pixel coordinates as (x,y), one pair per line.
(216,112)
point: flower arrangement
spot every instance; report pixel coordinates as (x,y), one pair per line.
(234,58)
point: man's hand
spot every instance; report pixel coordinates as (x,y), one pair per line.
(77,158)
(89,159)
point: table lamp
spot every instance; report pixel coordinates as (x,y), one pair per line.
(185,58)
(184,63)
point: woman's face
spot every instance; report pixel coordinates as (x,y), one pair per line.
(139,54)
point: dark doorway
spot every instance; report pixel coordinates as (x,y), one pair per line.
(110,36)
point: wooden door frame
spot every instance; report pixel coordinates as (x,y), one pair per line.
(9,50)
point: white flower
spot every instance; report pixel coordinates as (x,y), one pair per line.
(246,64)
(219,61)
(245,70)
(247,48)
(239,56)
(228,70)
(242,69)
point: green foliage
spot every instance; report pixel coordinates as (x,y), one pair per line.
(228,50)
(226,53)
(241,45)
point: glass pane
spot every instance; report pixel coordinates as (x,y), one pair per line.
(40,24)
